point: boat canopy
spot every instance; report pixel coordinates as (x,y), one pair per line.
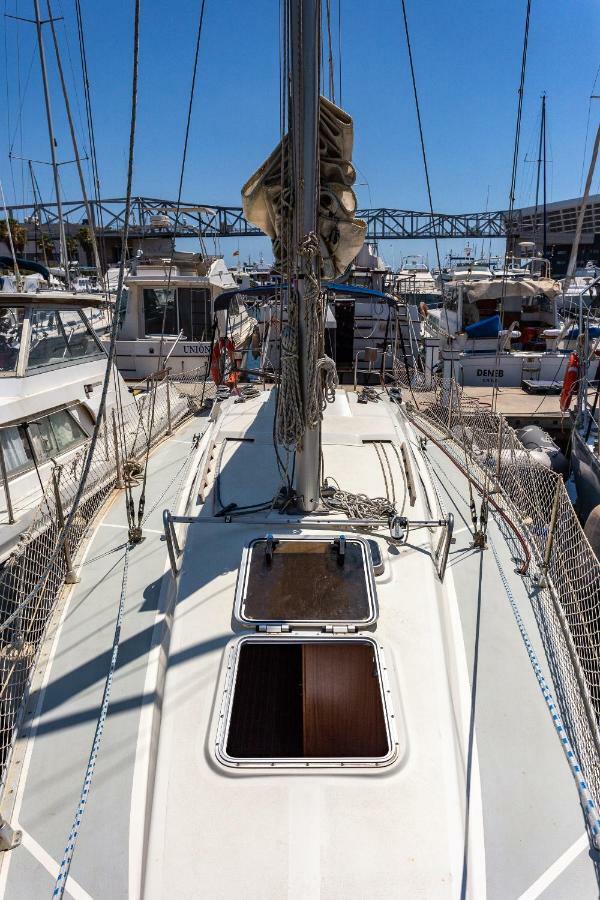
(352,291)
(497,288)
(29,265)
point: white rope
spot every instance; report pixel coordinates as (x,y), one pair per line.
(289,404)
(327,381)
(293,418)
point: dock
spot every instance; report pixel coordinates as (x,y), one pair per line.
(521,408)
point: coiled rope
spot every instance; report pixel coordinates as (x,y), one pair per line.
(293,417)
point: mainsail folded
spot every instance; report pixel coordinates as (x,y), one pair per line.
(341,235)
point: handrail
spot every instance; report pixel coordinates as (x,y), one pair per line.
(173,548)
(443,548)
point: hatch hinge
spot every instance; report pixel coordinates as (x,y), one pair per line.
(340,629)
(273,629)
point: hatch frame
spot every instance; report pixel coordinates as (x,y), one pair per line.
(340,764)
(312,625)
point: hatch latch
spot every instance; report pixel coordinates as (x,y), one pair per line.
(270,545)
(340,545)
(340,629)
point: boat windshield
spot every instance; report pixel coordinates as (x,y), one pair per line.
(11,326)
(59,337)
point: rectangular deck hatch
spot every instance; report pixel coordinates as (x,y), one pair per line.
(302,701)
(309,582)
(310,689)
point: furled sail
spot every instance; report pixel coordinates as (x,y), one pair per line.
(341,235)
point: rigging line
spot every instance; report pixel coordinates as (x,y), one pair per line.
(182,168)
(586,799)
(421,136)
(142,498)
(22,96)
(330,53)
(112,347)
(93,162)
(65,866)
(587,130)
(339,23)
(72,68)
(6,84)
(65,93)
(515,163)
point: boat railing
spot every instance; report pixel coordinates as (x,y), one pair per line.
(535,513)
(46,555)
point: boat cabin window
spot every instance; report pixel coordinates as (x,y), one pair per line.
(59,337)
(308,700)
(17,453)
(176,310)
(49,436)
(195,318)
(160,312)
(11,326)
(55,434)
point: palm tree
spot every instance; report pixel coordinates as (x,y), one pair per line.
(46,245)
(84,236)
(72,247)
(18,233)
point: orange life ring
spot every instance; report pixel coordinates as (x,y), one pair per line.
(222,348)
(570,382)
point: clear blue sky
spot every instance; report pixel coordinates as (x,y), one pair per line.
(467,57)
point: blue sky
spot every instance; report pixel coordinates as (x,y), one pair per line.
(467,57)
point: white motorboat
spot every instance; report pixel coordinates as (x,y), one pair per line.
(52,366)
(169,315)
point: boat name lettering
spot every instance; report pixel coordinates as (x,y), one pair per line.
(490,373)
(199,349)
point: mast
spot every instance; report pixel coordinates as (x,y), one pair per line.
(64,259)
(305,39)
(541,171)
(579,228)
(86,202)
(545,239)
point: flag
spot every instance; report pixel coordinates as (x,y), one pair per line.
(236,253)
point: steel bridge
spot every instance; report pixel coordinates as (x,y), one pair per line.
(153,217)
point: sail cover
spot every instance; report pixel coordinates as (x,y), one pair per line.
(341,235)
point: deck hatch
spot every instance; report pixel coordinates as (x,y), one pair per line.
(310,688)
(306,582)
(301,701)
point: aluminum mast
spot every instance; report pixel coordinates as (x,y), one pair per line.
(305,38)
(61,223)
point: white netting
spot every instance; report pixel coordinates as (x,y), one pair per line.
(529,496)
(31,581)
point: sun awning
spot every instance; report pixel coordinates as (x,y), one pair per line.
(496,288)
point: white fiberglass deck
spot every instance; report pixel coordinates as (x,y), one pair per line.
(479,802)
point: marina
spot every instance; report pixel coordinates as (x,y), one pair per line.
(299,534)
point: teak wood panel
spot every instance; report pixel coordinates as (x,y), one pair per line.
(342,705)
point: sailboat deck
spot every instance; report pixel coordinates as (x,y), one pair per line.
(463,693)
